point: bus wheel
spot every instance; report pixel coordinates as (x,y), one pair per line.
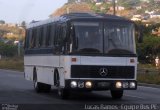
(56,78)
(46,88)
(63,93)
(117,94)
(37,86)
(40,87)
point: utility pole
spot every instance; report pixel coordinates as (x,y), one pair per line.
(68,11)
(19,49)
(114,7)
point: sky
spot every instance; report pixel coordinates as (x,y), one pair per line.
(16,11)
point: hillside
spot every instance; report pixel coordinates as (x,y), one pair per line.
(146,9)
(72,7)
(11,32)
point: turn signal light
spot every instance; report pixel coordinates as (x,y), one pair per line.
(132,61)
(74,59)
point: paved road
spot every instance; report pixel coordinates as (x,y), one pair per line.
(15,90)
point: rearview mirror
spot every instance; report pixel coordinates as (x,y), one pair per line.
(140,37)
(139,33)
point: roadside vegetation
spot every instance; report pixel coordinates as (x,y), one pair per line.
(11,32)
(148,73)
(15,63)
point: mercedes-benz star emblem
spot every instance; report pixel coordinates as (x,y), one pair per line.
(103,72)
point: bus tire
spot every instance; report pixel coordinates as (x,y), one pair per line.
(56,78)
(63,93)
(46,88)
(37,85)
(40,87)
(117,94)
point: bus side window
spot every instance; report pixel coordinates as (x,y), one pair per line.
(52,35)
(56,35)
(26,45)
(33,38)
(29,39)
(59,38)
(68,39)
(44,36)
(55,39)
(38,37)
(41,36)
(48,36)
(64,34)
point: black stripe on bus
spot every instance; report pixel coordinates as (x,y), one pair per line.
(51,51)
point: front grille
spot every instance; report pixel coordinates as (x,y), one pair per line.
(86,71)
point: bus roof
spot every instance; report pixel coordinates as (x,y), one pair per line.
(91,15)
(72,16)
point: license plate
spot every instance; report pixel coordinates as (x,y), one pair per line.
(103,84)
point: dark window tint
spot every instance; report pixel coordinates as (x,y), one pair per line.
(33,39)
(48,36)
(27,39)
(52,34)
(40,36)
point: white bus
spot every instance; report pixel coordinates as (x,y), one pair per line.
(81,52)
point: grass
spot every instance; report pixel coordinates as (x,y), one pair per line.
(149,78)
(148,74)
(15,63)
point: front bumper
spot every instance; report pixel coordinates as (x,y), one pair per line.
(80,84)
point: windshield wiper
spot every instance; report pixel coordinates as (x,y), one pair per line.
(120,52)
(89,50)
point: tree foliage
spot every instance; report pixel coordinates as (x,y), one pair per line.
(23,24)
(12,33)
(2,22)
(71,1)
(150,48)
(8,50)
(128,3)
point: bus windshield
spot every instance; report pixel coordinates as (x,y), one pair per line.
(119,38)
(104,38)
(89,37)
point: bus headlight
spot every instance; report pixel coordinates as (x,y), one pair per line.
(88,84)
(118,85)
(132,85)
(73,84)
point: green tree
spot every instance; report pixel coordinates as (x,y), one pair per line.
(128,3)
(8,50)
(149,47)
(2,22)
(23,24)
(71,1)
